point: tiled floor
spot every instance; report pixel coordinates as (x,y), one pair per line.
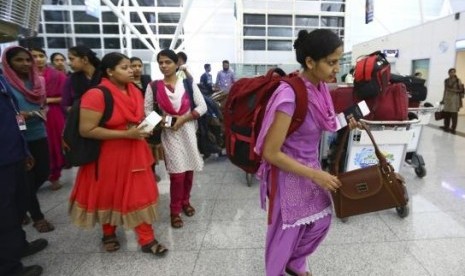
(226,236)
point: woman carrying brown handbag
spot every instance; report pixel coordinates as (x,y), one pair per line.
(452,100)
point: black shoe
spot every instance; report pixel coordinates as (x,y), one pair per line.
(452,131)
(34,247)
(33,270)
(445,129)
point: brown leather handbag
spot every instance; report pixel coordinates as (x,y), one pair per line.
(368,189)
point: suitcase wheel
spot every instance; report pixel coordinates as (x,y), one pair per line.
(420,171)
(402,211)
(344,220)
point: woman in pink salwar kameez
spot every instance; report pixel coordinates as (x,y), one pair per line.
(301,206)
(54,84)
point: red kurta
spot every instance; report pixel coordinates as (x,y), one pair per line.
(126,192)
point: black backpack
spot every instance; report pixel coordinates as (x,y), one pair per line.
(78,150)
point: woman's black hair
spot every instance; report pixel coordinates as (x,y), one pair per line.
(11,53)
(317,44)
(279,71)
(168,53)
(450,70)
(83,51)
(52,57)
(110,61)
(135,59)
(38,49)
(183,56)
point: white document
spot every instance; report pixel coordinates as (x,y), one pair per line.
(151,121)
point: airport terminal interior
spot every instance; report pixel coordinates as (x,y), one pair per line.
(227,235)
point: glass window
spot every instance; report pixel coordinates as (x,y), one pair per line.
(167,29)
(253,44)
(57,28)
(59,42)
(332,7)
(56,16)
(169,3)
(283,20)
(141,29)
(56,2)
(77,2)
(169,17)
(110,29)
(86,29)
(32,42)
(254,19)
(342,1)
(137,44)
(146,3)
(92,43)
(109,17)
(111,43)
(279,31)
(165,43)
(82,16)
(332,21)
(279,45)
(302,20)
(254,31)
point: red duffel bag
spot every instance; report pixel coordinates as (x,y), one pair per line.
(390,105)
(343,97)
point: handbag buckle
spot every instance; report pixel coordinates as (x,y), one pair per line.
(362,187)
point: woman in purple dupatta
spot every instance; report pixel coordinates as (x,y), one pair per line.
(300,211)
(54,82)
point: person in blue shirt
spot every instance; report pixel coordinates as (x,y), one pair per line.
(206,80)
(28,87)
(14,160)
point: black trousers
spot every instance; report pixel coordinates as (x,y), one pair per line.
(448,116)
(38,175)
(13,200)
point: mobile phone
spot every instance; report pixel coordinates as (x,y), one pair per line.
(170,120)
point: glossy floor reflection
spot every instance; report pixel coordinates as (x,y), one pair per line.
(226,236)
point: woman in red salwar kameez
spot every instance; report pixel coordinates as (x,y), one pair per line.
(123,191)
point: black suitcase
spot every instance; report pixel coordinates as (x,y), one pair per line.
(415,86)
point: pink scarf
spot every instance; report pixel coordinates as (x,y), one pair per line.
(37,94)
(165,103)
(54,82)
(322,105)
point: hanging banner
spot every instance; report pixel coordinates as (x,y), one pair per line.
(368,11)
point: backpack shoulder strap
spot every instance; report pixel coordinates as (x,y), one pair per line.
(108,98)
(190,90)
(301,102)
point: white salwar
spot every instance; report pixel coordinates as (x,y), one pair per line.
(180,147)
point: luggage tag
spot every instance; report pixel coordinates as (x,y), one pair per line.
(21,122)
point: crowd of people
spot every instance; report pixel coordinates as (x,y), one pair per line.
(120,187)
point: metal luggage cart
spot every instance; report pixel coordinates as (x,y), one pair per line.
(412,157)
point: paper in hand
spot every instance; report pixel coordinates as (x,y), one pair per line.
(357,111)
(151,121)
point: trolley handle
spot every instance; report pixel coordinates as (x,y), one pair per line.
(395,123)
(424,109)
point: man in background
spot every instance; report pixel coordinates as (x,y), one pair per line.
(225,78)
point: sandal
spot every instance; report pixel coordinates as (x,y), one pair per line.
(176,221)
(110,243)
(43,226)
(188,210)
(292,273)
(155,248)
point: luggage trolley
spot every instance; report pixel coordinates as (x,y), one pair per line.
(412,157)
(392,138)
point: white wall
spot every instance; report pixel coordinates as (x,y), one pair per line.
(423,42)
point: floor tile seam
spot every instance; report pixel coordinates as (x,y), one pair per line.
(438,127)
(54,207)
(233,248)
(78,266)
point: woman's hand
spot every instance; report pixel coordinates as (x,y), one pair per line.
(326,180)
(29,163)
(135,132)
(354,123)
(180,121)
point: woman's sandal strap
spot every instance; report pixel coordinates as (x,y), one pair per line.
(155,248)
(176,221)
(110,243)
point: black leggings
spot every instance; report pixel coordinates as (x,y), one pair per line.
(38,175)
(447,118)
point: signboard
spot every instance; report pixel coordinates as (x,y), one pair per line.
(368,11)
(393,53)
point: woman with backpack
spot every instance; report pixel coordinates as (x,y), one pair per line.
(28,87)
(179,138)
(290,174)
(118,188)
